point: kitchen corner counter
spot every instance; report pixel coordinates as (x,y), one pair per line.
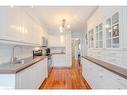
(8,68)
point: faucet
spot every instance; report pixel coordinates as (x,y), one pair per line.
(13,58)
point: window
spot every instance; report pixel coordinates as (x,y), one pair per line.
(99,36)
(91,38)
(112,31)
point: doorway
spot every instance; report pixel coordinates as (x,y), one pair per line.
(76,52)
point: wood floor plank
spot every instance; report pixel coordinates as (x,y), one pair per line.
(65,78)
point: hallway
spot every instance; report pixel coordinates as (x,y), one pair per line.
(65,78)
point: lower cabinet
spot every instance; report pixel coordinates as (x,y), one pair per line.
(59,60)
(33,76)
(101,78)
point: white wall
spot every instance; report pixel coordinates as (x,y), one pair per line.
(76,34)
(68,48)
(83,41)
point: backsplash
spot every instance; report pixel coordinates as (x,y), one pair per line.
(20,52)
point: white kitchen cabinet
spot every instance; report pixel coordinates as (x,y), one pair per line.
(30,78)
(58,40)
(114,35)
(59,60)
(10,26)
(19,27)
(45,67)
(33,76)
(101,78)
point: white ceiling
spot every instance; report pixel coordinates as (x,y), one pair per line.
(52,17)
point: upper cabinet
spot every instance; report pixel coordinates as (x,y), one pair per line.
(99,36)
(91,38)
(58,40)
(10,25)
(109,27)
(112,31)
(17,26)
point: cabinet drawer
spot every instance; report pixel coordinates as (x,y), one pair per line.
(101,78)
(115,54)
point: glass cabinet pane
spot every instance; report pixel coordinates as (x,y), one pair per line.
(115,18)
(112,31)
(115,40)
(108,28)
(96,44)
(108,23)
(96,29)
(115,30)
(91,39)
(100,27)
(100,44)
(108,33)
(108,43)
(100,36)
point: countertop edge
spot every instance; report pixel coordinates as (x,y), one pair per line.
(14,71)
(111,67)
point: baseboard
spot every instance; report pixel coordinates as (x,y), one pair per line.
(88,86)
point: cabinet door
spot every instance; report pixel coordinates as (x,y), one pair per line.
(57,40)
(17,26)
(45,68)
(31,77)
(11,24)
(59,60)
(100,78)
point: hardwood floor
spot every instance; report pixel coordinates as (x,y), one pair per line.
(65,78)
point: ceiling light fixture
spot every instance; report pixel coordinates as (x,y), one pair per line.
(63,25)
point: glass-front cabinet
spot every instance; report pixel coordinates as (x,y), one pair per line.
(115,30)
(108,33)
(112,31)
(91,38)
(110,36)
(99,36)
